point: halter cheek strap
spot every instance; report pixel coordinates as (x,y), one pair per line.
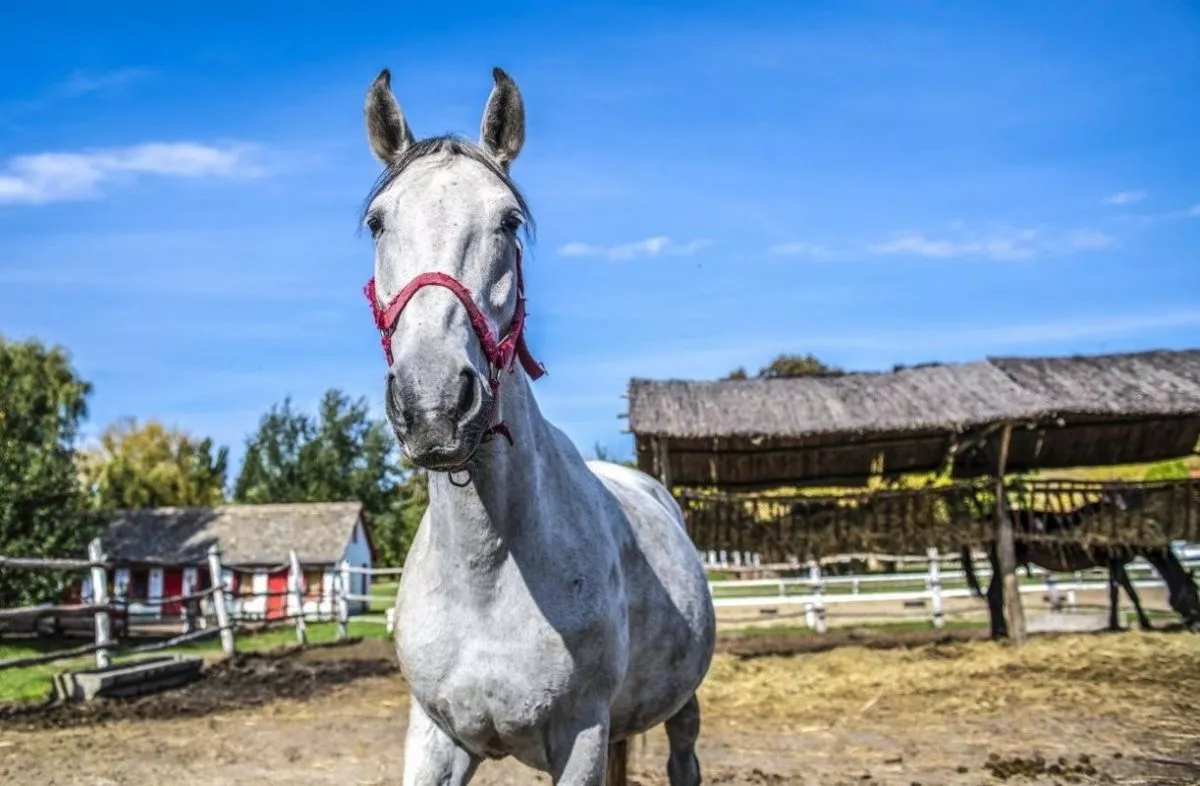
(500,352)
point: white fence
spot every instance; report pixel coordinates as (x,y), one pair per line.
(217,612)
(214,612)
(816,591)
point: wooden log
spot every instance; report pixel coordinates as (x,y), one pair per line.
(1006,549)
(31,563)
(216,576)
(100,598)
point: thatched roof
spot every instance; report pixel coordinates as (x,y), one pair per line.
(1079,411)
(245,534)
(926,398)
(1134,384)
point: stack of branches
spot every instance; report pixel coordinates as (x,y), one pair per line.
(785,529)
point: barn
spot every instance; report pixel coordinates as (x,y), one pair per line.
(161,553)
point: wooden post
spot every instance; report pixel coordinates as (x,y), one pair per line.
(295,578)
(343,603)
(1006,549)
(818,602)
(100,598)
(1053,594)
(662,460)
(935,588)
(216,576)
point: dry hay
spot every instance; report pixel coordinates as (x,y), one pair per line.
(1149,680)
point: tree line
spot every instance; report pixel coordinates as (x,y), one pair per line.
(55,495)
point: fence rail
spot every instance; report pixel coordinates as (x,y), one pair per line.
(215,611)
(223,613)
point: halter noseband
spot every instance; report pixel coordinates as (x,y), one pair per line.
(500,352)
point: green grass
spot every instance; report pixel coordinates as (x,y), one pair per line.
(34,682)
(383,595)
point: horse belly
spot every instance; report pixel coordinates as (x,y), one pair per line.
(672,632)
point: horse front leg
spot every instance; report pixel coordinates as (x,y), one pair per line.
(579,755)
(1123,578)
(1114,599)
(431,758)
(995,598)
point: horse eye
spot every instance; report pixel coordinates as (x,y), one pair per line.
(375,224)
(512,222)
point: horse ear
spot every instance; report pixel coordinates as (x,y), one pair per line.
(387,132)
(502,130)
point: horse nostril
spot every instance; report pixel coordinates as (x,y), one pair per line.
(467,392)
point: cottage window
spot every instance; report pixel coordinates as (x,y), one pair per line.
(139,585)
(313,583)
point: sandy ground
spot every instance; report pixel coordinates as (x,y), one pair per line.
(1113,708)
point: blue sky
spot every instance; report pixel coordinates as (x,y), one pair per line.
(874,182)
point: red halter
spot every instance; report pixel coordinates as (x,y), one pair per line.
(500,352)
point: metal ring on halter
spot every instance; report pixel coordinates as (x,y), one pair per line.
(465,483)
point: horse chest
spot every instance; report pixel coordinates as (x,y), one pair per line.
(493,675)
(493,686)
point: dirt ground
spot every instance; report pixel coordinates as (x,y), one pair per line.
(854,708)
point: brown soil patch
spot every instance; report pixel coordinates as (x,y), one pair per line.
(1080,709)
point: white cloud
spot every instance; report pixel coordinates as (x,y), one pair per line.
(1126,197)
(41,178)
(82,82)
(801,249)
(656,246)
(1003,245)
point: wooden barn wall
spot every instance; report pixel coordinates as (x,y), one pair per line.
(776,463)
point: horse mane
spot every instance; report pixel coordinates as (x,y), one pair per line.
(451,145)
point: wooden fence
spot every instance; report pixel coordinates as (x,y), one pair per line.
(208,613)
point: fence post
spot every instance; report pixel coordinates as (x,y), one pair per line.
(216,577)
(100,598)
(935,588)
(343,603)
(295,577)
(818,603)
(1053,594)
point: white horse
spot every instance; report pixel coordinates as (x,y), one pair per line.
(550,607)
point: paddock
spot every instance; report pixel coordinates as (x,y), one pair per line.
(945,708)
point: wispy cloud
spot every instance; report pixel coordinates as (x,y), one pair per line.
(801,249)
(1126,197)
(1012,244)
(82,82)
(657,246)
(77,85)
(41,178)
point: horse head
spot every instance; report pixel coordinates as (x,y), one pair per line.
(447,295)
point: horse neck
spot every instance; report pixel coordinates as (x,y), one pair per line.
(1167,564)
(477,523)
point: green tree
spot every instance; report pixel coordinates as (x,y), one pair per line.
(43,512)
(602,453)
(785,365)
(151,466)
(341,454)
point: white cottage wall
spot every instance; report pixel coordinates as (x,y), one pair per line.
(358,555)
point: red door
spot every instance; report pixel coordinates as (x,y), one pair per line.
(277,584)
(172,587)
